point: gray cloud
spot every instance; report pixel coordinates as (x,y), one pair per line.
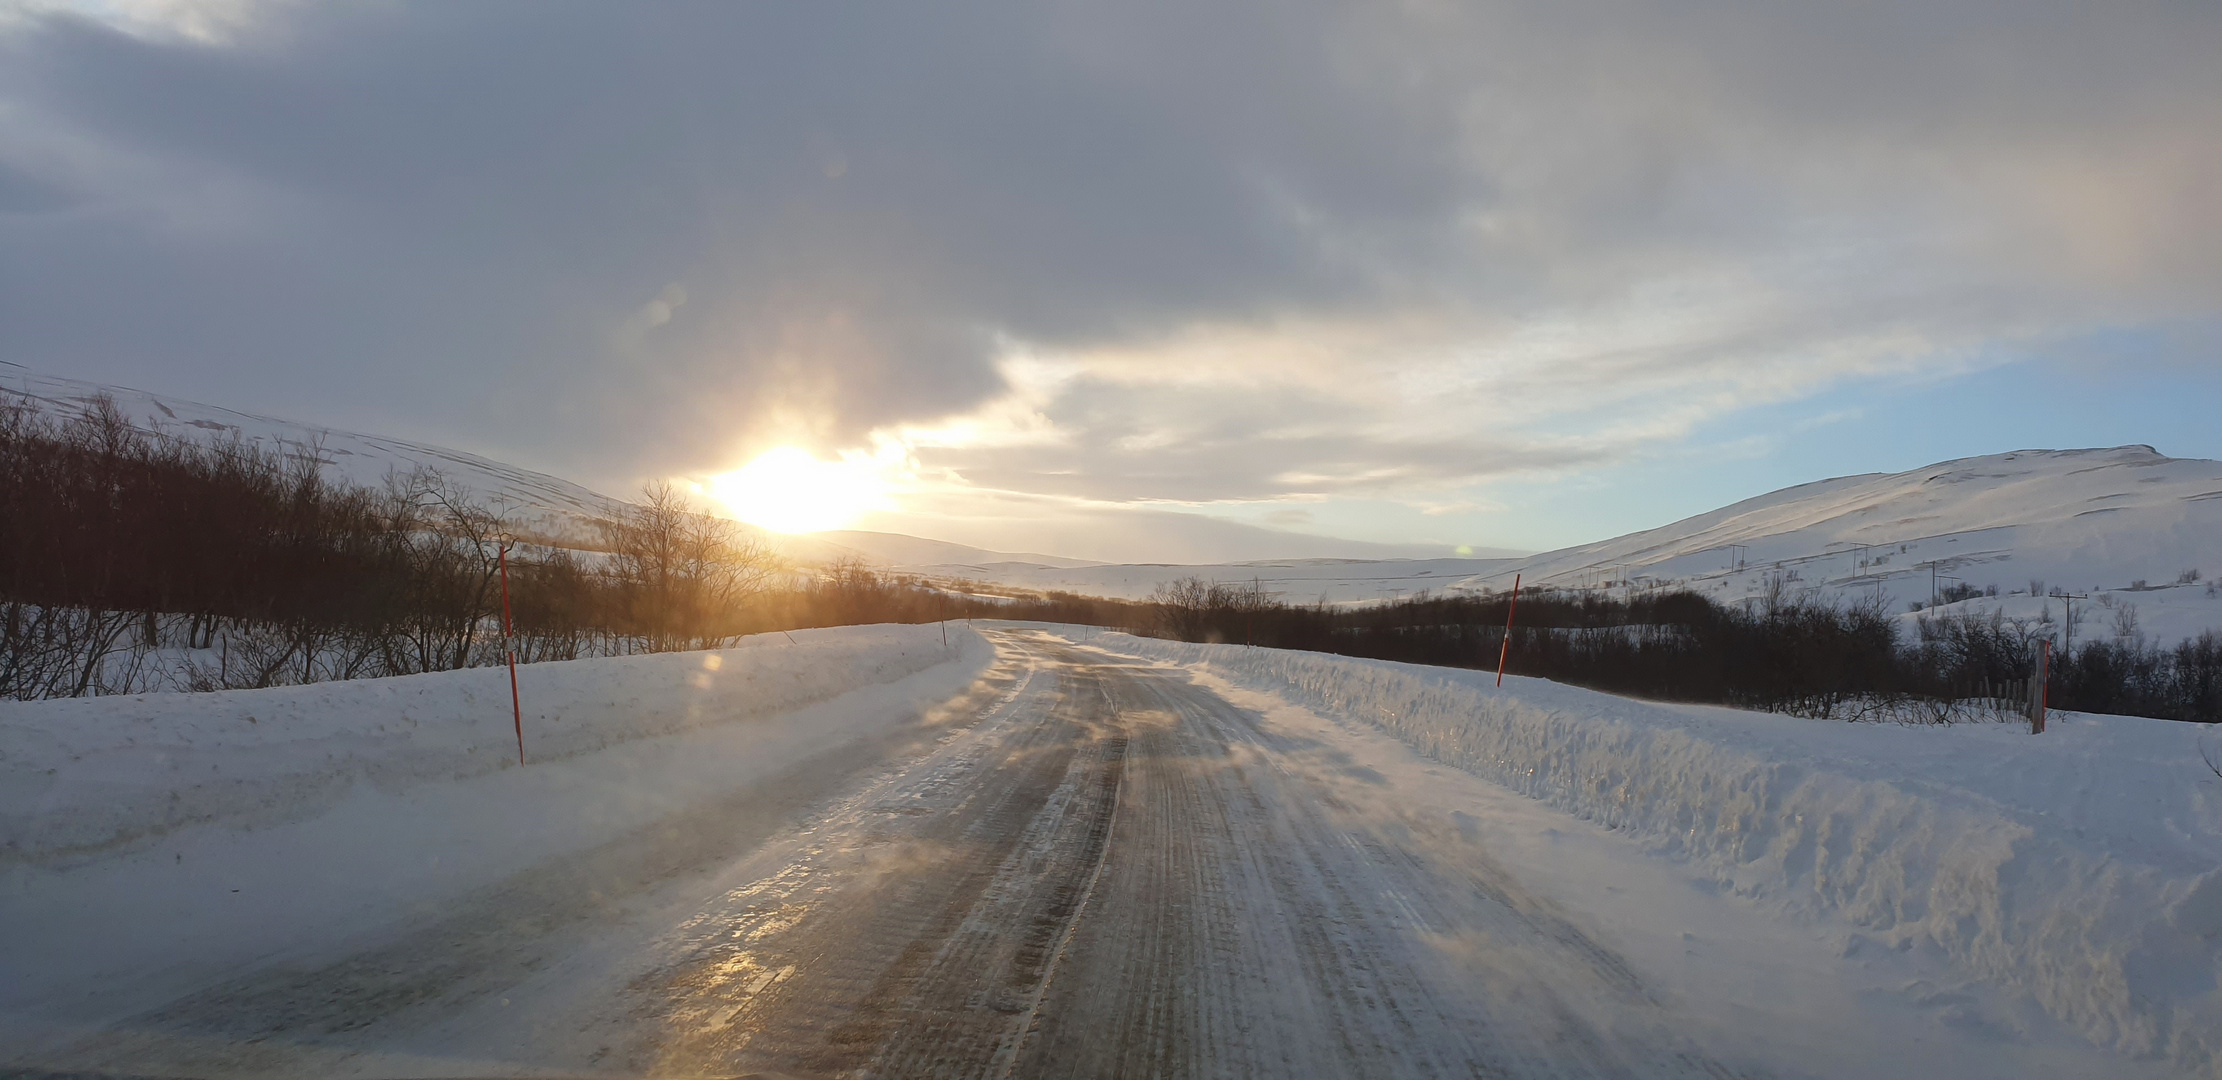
(616,240)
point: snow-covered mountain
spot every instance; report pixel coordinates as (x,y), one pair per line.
(542,506)
(2137,533)
(2133,529)
(545,506)
(2126,525)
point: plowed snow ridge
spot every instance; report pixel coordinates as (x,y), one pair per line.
(77,775)
(2078,868)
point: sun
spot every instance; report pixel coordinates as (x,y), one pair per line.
(791,490)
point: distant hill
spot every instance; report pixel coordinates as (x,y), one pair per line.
(1297,581)
(558,511)
(2122,524)
(897,549)
(543,507)
(546,506)
(2138,533)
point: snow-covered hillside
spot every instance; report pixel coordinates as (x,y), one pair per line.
(565,513)
(2081,519)
(2123,526)
(2127,526)
(545,505)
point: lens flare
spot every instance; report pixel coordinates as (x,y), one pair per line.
(790,490)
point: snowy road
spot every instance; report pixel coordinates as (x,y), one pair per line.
(1093,867)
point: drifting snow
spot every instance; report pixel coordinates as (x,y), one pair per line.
(2078,868)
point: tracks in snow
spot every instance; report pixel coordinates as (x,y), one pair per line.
(1109,872)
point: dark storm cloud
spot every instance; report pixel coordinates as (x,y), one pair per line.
(609,239)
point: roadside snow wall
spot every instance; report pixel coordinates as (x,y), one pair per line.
(83,778)
(2078,867)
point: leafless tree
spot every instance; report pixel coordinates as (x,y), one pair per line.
(686,578)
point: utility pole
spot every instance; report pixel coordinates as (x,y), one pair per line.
(1933,577)
(2068,600)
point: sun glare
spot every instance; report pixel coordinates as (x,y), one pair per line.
(791,490)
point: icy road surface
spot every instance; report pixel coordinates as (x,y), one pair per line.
(1096,868)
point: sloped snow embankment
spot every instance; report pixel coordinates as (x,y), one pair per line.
(2079,868)
(82,776)
(148,844)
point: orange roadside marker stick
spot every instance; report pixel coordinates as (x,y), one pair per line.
(2044,685)
(1509,609)
(509,649)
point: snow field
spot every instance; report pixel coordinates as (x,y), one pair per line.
(2077,869)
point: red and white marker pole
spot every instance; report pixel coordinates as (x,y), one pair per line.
(1509,609)
(509,649)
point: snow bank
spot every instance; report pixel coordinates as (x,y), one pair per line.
(83,777)
(2078,868)
(156,844)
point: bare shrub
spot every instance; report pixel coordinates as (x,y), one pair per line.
(684,579)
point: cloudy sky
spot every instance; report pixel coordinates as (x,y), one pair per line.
(1120,279)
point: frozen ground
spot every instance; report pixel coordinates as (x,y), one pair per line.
(1046,851)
